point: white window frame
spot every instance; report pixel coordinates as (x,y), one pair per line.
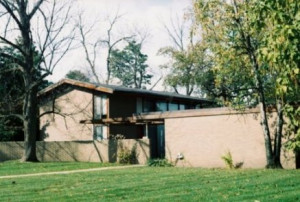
(100,106)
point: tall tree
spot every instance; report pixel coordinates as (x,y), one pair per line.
(112,43)
(52,41)
(280,48)
(92,44)
(11,93)
(189,62)
(129,66)
(228,28)
(90,48)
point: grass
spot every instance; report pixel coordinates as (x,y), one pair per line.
(15,167)
(153,184)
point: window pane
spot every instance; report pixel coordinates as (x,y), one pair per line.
(198,106)
(139,105)
(173,106)
(97,107)
(148,106)
(182,107)
(98,133)
(104,105)
(100,107)
(161,106)
(104,132)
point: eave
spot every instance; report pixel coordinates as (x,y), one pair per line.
(81,84)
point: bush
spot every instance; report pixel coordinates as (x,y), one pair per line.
(159,163)
(128,156)
(229,162)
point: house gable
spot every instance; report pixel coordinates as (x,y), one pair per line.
(61,114)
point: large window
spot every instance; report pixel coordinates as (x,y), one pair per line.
(100,107)
(100,132)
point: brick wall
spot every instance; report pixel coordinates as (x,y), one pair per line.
(85,151)
(203,137)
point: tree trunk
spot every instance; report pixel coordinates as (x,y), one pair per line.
(263,112)
(108,69)
(30,113)
(297,158)
(278,135)
(267,136)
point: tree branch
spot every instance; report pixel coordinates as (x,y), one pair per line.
(19,116)
(6,5)
(12,44)
(90,61)
(35,8)
(52,112)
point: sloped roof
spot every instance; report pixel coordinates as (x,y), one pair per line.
(81,84)
(110,89)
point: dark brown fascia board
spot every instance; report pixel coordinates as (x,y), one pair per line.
(77,84)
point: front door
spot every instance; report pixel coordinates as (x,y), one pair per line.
(161,141)
(156,135)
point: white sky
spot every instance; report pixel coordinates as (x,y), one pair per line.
(137,13)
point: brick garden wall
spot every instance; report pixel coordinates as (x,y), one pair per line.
(204,136)
(85,151)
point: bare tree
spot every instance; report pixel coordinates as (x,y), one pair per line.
(141,34)
(179,32)
(111,43)
(92,47)
(42,25)
(187,57)
(90,57)
(91,44)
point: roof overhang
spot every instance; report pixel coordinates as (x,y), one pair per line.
(76,84)
(110,89)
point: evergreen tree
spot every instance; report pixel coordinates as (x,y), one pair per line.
(12,92)
(129,66)
(77,75)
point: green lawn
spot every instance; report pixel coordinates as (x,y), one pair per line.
(150,184)
(15,167)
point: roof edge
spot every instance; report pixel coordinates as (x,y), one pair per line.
(78,84)
(113,89)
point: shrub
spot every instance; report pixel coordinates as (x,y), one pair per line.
(159,163)
(116,137)
(128,156)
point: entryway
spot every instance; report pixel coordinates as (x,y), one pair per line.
(156,135)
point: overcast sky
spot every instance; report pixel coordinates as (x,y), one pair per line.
(143,14)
